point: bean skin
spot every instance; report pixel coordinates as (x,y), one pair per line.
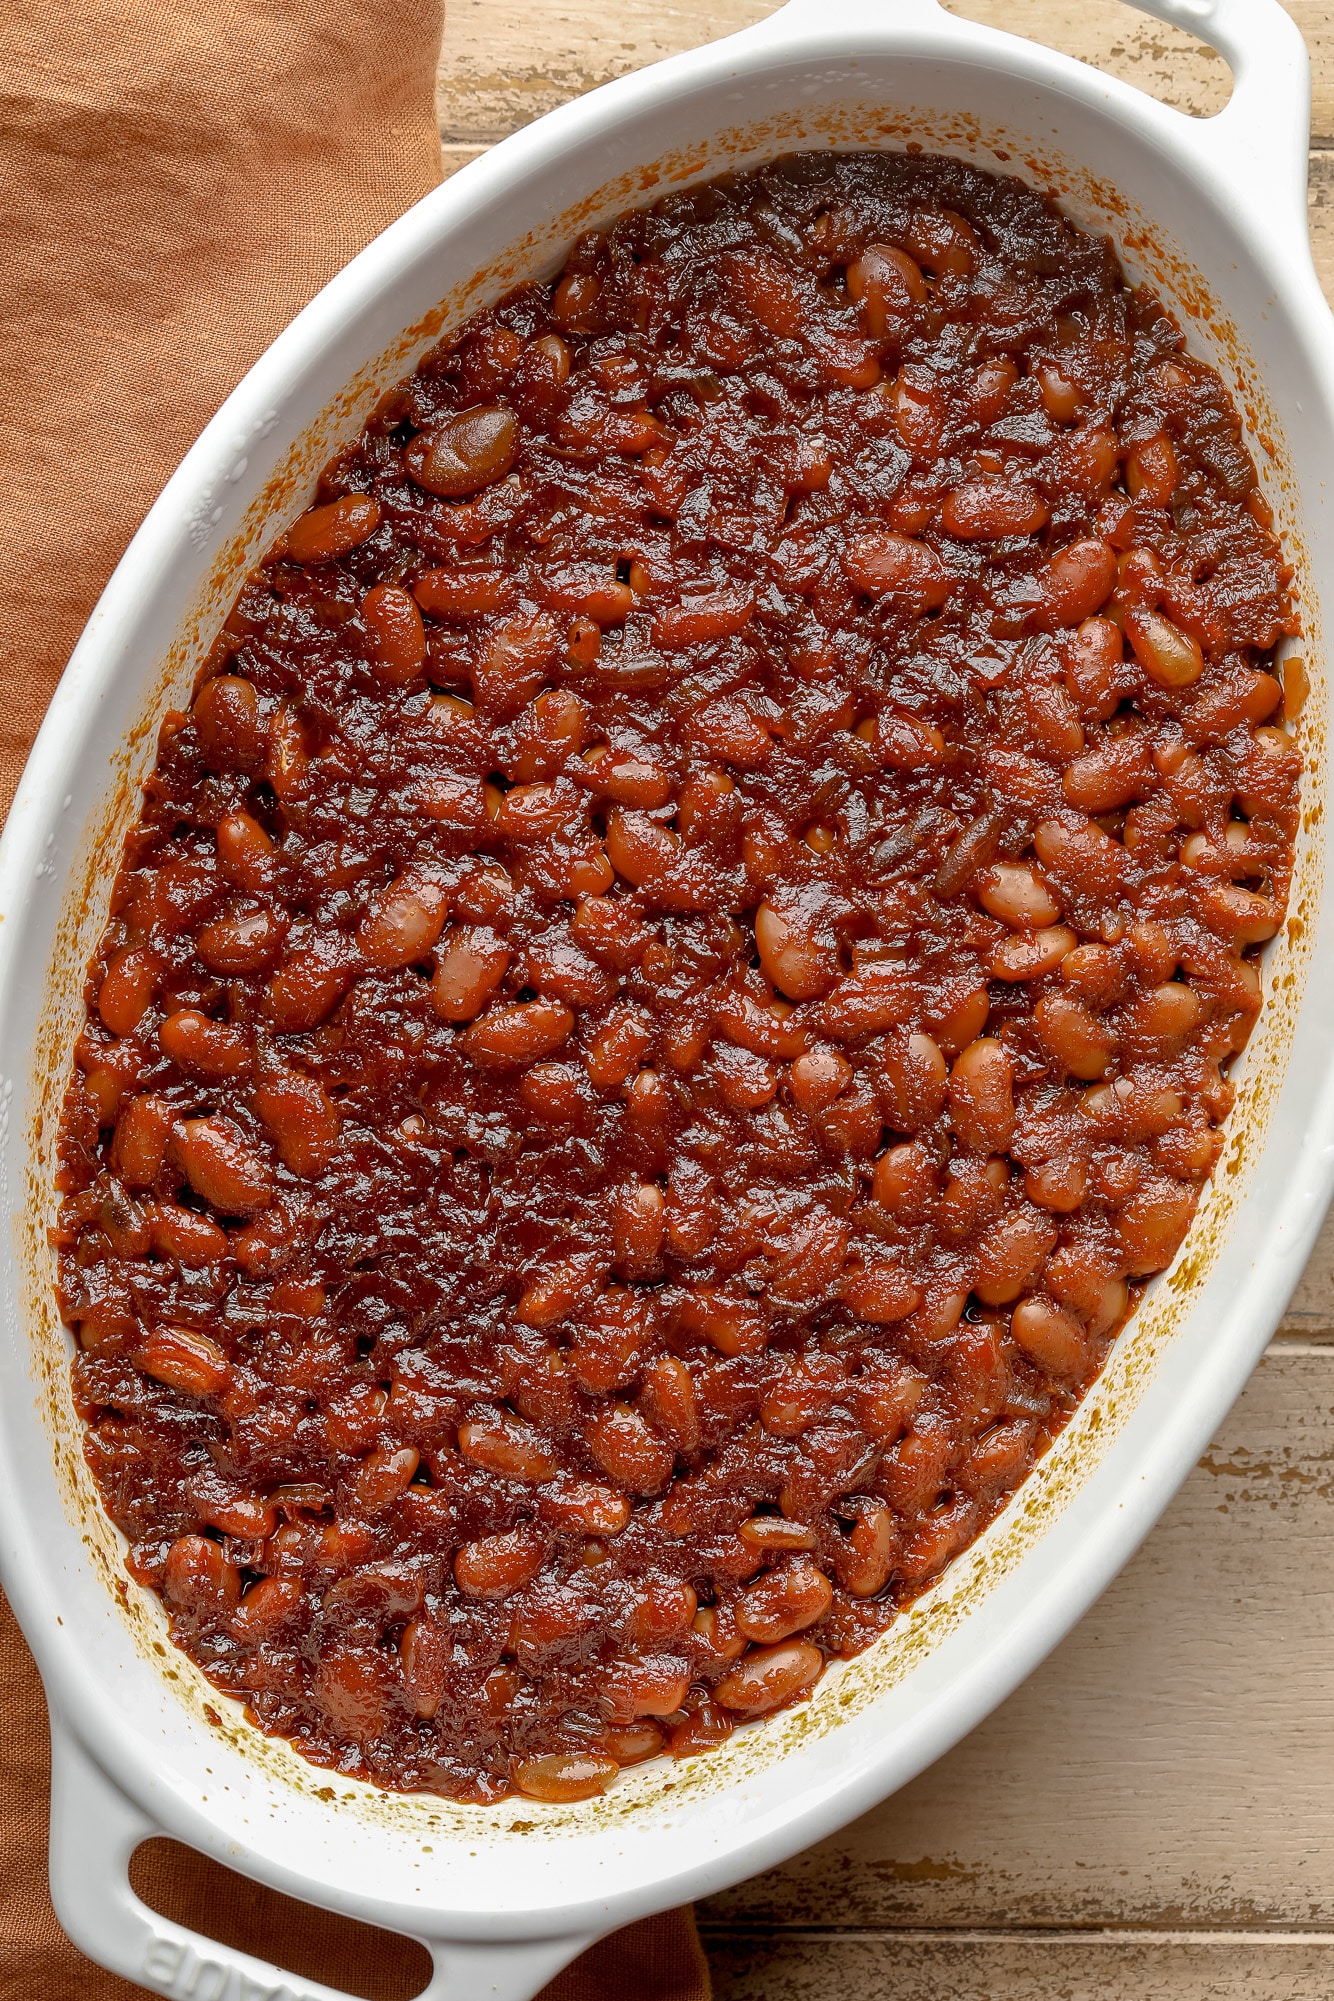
(325,533)
(770,1677)
(396,634)
(562,1776)
(220,1166)
(465,453)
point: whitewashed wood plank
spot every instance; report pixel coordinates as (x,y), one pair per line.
(822,1967)
(506,61)
(1172,1764)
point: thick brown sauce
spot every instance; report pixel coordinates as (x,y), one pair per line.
(677,976)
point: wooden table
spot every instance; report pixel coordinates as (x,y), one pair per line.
(1152,1814)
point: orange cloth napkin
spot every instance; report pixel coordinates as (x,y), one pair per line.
(177,178)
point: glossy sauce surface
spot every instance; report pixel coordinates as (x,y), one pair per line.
(677,976)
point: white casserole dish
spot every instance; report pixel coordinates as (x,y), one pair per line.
(1213,214)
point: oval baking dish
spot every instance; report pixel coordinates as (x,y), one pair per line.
(1212,214)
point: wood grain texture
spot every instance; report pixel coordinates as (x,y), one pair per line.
(1148,1818)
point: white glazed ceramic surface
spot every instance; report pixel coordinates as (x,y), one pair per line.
(1213,213)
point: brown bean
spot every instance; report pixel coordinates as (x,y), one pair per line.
(512,1449)
(1238,914)
(770,1677)
(906,743)
(1031,955)
(695,621)
(323,534)
(1009,1255)
(783,1602)
(139,1147)
(794,954)
(887,285)
(1168,656)
(470,964)
(1074,1038)
(302,1117)
(1151,470)
(866,1559)
(466,452)
(508,1037)
(305,990)
(189,1238)
(985,510)
(462,594)
(1152,1223)
(205,1048)
(265,1609)
(880,1295)
(627,1450)
(651,1685)
(403,923)
(818,1076)
(1053,1337)
(668,1397)
(221,1166)
(1016,893)
(128,986)
(1077,582)
(244,941)
(562,1776)
(496,1566)
(981,1094)
(582,1504)
(198,1579)
(397,637)
(885,564)
(227,722)
(186,1361)
(513,662)
(245,852)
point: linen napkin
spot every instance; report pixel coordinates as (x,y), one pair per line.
(177,178)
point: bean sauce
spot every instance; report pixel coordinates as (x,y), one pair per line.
(677,977)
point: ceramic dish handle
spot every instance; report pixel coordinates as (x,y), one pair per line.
(95,1830)
(1257,144)
(1262,135)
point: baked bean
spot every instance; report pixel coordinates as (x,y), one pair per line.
(185,1361)
(1152,1223)
(881,1294)
(628,1451)
(582,1504)
(1238,914)
(1076,1040)
(696,620)
(497,1566)
(818,1076)
(885,564)
(397,637)
(1151,470)
(1111,775)
(562,1776)
(1031,955)
(652,1685)
(403,924)
(1092,660)
(513,664)
(246,853)
(221,1167)
(507,1037)
(1078,581)
(514,1450)
(226,716)
(197,1578)
(182,1234)
(770,1677)
(905,743)
(465,453)
(985,510)
(205,1048)
(659,1612)
(1060,396)
(323,534)
(305,990)
(1053,1338)
(1016,893)
(470,964)
(302,1117)
(1009,1255)
(981,1095)
(128,986)
(783,1602)
(866,1559)
(245,941)
(887,285)
(265,1609)
(795,955)
(1168,656)
(669,1400)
